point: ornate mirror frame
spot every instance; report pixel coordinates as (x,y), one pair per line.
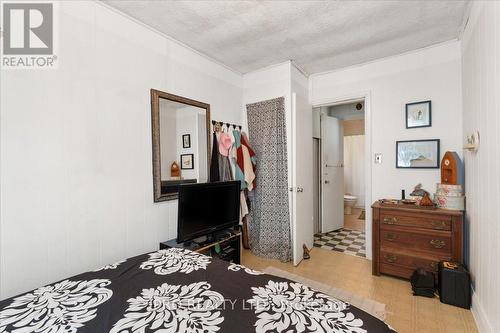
(155,128)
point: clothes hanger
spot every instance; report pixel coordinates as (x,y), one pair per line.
(219,126)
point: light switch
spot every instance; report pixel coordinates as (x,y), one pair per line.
(378,158)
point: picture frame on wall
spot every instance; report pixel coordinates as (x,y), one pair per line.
(418,154)
(187,161)
(186,141)
(419,114)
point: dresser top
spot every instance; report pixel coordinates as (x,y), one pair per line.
(415,208)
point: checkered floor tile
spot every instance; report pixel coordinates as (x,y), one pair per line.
(344,240)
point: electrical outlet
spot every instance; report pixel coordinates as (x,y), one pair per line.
(378,158)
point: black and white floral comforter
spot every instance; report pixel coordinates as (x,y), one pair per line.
(177,290)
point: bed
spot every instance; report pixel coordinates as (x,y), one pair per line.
(177,290)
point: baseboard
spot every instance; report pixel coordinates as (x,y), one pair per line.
(482,322)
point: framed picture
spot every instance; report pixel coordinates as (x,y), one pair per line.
(186,141)
(418,114)
(187,161)
(418,154)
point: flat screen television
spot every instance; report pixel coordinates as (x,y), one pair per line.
(206,208)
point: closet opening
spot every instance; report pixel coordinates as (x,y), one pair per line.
(339,177)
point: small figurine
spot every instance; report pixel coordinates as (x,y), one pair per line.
(174,170)
(426,200)
(422,196)
(418,191)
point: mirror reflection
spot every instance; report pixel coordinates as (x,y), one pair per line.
(183,142)
(180,126)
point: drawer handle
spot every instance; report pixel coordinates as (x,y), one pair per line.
(390,237)
(390,258)
(440,225)
(437,244)
(388,220)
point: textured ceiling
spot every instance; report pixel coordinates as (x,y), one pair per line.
(317,35)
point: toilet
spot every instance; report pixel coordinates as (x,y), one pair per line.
(349,202)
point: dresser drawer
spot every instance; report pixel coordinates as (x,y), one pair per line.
(406,238)
(394,270)
(410,262)
(401,271)
(421,220)
(418,241)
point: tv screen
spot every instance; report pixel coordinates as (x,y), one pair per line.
(206,208)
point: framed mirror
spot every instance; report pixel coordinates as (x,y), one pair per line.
(181,143)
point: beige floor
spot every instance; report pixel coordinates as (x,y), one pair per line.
(406,313)
(352,222)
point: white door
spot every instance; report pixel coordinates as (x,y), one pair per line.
(316,186)
(332,174)
(302,176)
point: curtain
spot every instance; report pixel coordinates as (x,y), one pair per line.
(354,167)
(269,225)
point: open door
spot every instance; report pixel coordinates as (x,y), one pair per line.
(332,174)
(302,176)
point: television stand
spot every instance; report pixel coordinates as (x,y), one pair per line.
(224,245)
(204,240)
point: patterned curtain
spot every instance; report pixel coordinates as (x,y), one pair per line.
(269,225)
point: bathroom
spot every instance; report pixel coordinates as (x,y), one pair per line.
(339,154)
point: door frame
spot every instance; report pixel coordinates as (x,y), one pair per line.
(343,99)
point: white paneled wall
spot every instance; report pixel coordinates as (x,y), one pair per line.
(481,105)
(76,172)
(281,80)
(428,74)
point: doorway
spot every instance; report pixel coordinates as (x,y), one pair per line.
(341,178)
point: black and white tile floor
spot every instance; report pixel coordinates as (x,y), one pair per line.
(344,240)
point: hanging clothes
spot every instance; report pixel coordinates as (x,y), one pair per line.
(224,143)
(232,155)
(214,160)
(245,142)
(246,161)
(225,173)
(243,205)
(238,160)
(248,171)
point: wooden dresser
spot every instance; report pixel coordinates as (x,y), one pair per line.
(406,238)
